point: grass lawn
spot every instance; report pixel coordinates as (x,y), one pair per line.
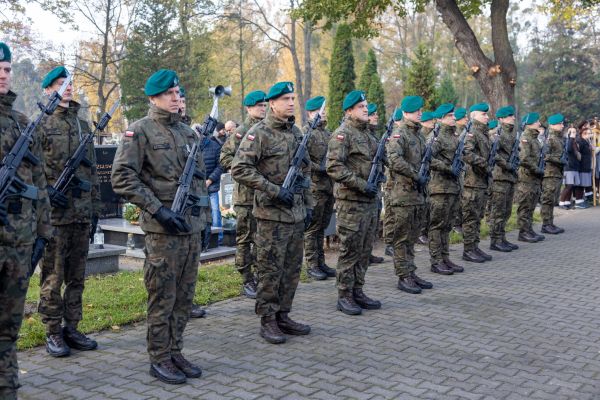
(110,301)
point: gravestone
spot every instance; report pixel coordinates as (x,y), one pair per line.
(105,155)
(226,191)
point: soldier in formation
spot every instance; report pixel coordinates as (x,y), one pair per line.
(373,126)
(73,215)
(553,173)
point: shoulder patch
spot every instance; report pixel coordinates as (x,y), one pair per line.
(238,135)
(397,136)
(340,137)
(469,134)
(129,133)
(524,140)
(250,137)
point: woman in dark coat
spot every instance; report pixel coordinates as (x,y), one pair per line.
(571,172)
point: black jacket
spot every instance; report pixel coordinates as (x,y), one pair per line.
(585,148)
(573,164)
(211,151)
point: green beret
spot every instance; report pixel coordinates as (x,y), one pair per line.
(411,104)
(255,97)
(556,119)
(442,110)
(353,98)
(483,107)
(504,112)
(279,89)
(460,113)
(530,118)
(427,116)
(493,124)
(398,114)
(315,103)
(372,107)
(5,54)
(161,81)
(58,72)
(181,92)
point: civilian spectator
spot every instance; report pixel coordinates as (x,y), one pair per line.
(585,168)
(230,128)
(571,173)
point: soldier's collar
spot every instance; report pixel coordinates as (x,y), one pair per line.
(362,125)
(7,100)
(507,127)
(163,116)
(447,129)
(278,123)
(72,109)
(250,122)
(410,126)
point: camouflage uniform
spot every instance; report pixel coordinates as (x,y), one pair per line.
(322,192)
(477,150)
(262,162)
(147,167)
(388,216)
(426,133)
(444,190)
(458,217)
(66,255)
(27,221)
(553,174)
(405,151)
(351,150)
(243,197)
(530,182)
(503,186)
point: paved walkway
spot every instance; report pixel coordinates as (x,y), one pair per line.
(525,326)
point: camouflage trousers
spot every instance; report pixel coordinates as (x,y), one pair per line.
(458,216)
(356,225)
(426,218)
(279,260)
(14,281)
(315,234)
(473,207)
(388,221)
(64,262)
(170,275)
(442,209)
(528,194)
(500,202)
(407,226)
(550,188)
(245,256)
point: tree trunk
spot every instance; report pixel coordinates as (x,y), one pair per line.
(184,16)
(307,38)
(102,98)
(496,79)
(297,70)
(241,64)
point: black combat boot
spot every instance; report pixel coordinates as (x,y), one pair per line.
(441,268)
(365,301)
(509,244)
(375,259)
(483,254)
(291,327)
(527,237)
(538,237)
(422,283)
(454,267)
(330,272)
(269,330)
(347,304)
(77,340)
(167,372)
(316,273)
(197,311)
(407,284)
(550,229)
(497,245)
(189,370)
(249,288)
(559,229)
(472,256)
(56,346)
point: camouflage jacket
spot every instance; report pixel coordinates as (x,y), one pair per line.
(148,164)
(404,152)
(350,152)
(477,152)
(242,195)
(554,168)
(507,138)
(442,154)
(317,150)
(30,219)
(262,162)
(60,135)
(529,156)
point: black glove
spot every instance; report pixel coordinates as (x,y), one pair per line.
(38,251)
(309,217)
(371,190)
(172,222)
(286,197)
(94,226)
(57,199)
(3,215)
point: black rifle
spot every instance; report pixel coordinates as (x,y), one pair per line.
(513,159)
(67,176)
(424,169)
(10,184)
(491,162)
(542,161)
(376,175)
(294,180)
(183,198)
(457,161)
